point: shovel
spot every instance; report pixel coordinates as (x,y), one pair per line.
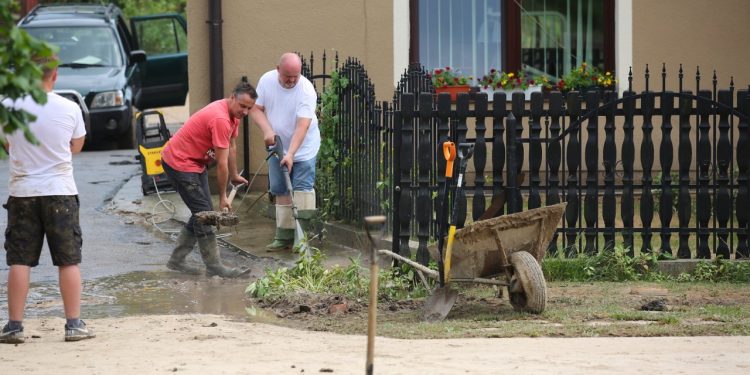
(372,308)
(300,238)
(442,299)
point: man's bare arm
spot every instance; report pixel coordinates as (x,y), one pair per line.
(76,144)
(300,131)
(222,175)
(258,114)
(236,178)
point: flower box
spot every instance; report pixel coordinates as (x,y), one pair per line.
(453,90)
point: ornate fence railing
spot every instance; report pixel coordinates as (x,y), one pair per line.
(650,171)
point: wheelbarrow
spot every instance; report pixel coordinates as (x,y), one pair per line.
(504,251)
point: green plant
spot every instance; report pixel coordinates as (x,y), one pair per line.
(584,77)
(309,275)
(329,155)
(720,270)
(496,79)
(609,265)
(448,77)
(20,75)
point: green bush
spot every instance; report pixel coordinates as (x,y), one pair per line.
(309,275)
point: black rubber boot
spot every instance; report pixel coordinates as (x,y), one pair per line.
(210,253)
(185,243)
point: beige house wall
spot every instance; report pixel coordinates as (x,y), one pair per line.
(710,34)
(256,33)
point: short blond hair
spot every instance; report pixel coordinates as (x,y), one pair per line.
(48,65)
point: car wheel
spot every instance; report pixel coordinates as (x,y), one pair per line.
(127,139)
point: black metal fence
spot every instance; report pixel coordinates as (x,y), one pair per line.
(651,171)
(609,150)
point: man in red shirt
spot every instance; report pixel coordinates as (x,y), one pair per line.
(207,135)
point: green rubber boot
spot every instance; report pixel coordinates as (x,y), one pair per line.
(214,267)
(305,219)
(284,239)
(185,243)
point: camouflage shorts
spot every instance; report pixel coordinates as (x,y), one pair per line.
(30,219)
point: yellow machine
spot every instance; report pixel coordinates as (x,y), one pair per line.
(152,136)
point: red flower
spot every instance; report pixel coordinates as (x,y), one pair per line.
(438,71)
(493,70)
(447,68)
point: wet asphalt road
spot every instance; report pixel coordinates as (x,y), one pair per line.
(124,258)
(111,246)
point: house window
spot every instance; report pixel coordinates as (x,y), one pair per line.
(540,36)
(557,36)
(465,35)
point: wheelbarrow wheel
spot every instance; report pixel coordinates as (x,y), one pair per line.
(527,290)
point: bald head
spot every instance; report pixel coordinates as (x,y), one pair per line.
(289,69)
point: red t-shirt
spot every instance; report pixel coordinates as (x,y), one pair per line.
(192,147)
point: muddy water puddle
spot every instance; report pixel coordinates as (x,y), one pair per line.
(148,293)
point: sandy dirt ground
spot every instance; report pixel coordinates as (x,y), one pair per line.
(212,344)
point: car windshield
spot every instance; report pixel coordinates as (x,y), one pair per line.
(82,46)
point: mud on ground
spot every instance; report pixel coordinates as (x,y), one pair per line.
(572,310)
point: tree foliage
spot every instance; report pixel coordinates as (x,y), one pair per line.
(19,74)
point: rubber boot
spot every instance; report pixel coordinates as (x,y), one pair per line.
(185,243)
(305,219)
(284,239)
(210,253)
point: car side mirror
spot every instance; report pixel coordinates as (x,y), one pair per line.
(137,56)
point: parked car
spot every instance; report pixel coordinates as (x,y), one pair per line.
(112,70)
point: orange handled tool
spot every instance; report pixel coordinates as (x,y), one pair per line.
(449,152)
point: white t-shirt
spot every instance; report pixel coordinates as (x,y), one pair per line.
(46,168)
(283,107)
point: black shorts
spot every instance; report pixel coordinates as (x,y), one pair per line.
(30,219)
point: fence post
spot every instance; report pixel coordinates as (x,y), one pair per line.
(498,148)
(480,157)
(535,150)
(512,174)
(703,199)
(405,140)
(723,160)
(685,159)
(647,162)
(742,204)
(609,204)
(573,160)
(424,167)
(591,200)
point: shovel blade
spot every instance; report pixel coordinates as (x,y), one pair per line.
(439,304)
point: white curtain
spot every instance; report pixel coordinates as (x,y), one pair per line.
(463,34)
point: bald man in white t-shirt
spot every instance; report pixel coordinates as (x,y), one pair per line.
(286,107)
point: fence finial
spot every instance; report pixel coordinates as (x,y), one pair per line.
(680,75)
(630,79)
(663,77)
(697,79)
(647,75)
(714,82)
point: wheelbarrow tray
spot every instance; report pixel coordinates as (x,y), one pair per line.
(475,251)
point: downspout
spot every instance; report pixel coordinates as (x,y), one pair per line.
(216,54)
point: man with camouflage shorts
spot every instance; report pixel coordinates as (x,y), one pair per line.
(44,202)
